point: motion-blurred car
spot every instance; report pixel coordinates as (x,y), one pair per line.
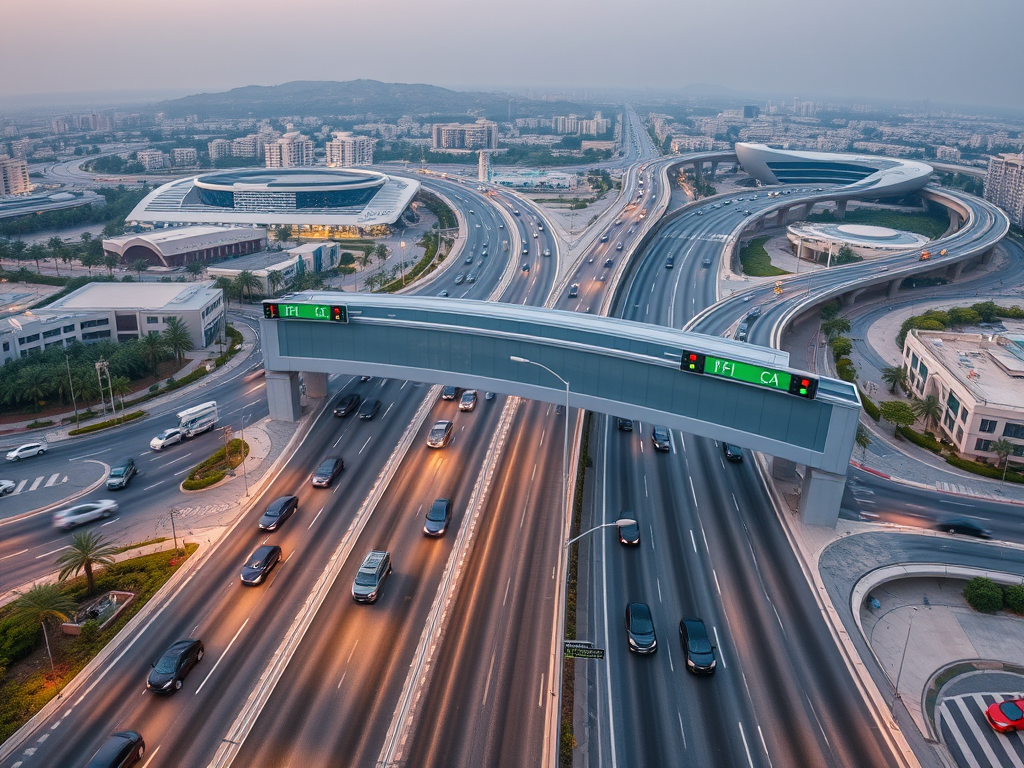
(347,404)
(640,629)
(468,401)
(624,424)
(574,290)
(438,515)
(965,528)
(26,451)
(7,486)
(166,438)
(488,395)
(546,252)
(79,514)
(460,278)
(1006,716)
(175,664)
(260,563)
(369,409)
(329,469)
(121,750)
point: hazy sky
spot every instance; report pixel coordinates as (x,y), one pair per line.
(948,51)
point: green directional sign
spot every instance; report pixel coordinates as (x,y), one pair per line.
(698,362)
(276,310)
(583,652)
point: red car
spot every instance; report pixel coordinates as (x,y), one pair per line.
(1006,716)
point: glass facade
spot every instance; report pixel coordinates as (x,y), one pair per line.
(817,172)
(337,198)
(217,197)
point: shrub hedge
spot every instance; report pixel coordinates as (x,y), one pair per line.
(983,595)
(213,469)
(870,407)
(109,423)
(985,470)
(923,441)
(1013,597)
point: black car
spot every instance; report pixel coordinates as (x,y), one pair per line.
(629,535)
(732,452)
(260,563)
(438,515)
(965,528)
(624,424)
(754,313)
(347,404)
(574,290)
(121,474)
(449,393)
(329,469)
(700,653)
(120,750)
(670,262)
(640,629)
(369,409)
(278,511)
(526,266)
(370,577)
(705,263)
(662,441)
(742,331)
(609,263)
(177,661)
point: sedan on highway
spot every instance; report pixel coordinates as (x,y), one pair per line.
(26,451)
(449,392)
(640,629)
(662,441)
(438,515)
(440,434)
(329,469)
(6,486)
(629,534)
(1006,716)
(468,401)
(172,668)
(965,528)
(260,563)
(732,452)
(278,511)
(121,750)
(121,474)
(80,514)
(347,404)
(697,647)
(369,409)
(166,438)
(624,424)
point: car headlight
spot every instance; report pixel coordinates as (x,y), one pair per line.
(690,664)
(167,685)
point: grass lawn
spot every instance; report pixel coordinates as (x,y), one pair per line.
(756,262)
(931,225)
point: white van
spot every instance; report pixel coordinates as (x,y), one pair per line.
(197,419)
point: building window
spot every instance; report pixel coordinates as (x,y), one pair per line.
(948,421)
(57,343)
(953,404)
(94,323)
(69,328)
(923,370)
(94,335)
(981,444)
(7,346)
(988,425)
(964,415)
(168,319)
(1013,430)
(959,434)
(913,360)
(150,320)
(29,339)
(51,333)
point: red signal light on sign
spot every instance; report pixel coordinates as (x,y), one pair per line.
(804,386)
(339,314)
(692,362)
(270,311)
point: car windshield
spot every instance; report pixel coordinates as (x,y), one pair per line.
(641,622)
(631,530)
(436,511)
(167,664)
(165,434)
(326,467)
(117,471)
(366,578)
(660,433)
(437,433)
(1011,710)
(698,640)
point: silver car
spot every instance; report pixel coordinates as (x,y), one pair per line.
(27,450)
(69,517)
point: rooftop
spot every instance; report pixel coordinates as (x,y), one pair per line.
(990,367)
(172,240)
(144,296)
(255,261)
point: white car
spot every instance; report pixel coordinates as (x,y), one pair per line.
(468,401)
(27,450)
(69,517)
(165,438)
(6,486)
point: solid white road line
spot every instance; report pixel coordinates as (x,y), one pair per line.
(221,657)
(15,554)
(87,455)
(47,554)
(154,485)
(151,756)
(315,518)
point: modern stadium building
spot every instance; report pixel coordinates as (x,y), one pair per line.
(860,175)
(316,201)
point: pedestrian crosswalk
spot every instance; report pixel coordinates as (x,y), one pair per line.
(971,740)
(34,484)
(966,490)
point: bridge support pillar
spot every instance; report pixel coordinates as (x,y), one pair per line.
(852,296)
(714,169)
(783,469)
(807,210)
(316,384)
(820,497)
(283,395)
(954,270)
(986,257)
(894,287)
(840,209)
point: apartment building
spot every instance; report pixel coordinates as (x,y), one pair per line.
(218,149)
(151,159)
(1004,185)
(290,151)
(182,156)
(13,177)
(483,134)
(347,149)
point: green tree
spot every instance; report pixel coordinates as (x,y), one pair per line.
(37,252)
(178,338)
(845,255)
(194,268)
(381,252)
(56,246)
(274,281)
(987,310)
(1002,448)
(17,249)
(928,408)
(841,346)
(33,386)
(897,412)
(154,349)
(1013,596)
(246,283)
(960,316)
(983,595)
(110,261)
(895,376)
(863,440)
(835,326)
(284,233)
(43,604)
(139,266)
(121,386)
(87,550)
(90,260)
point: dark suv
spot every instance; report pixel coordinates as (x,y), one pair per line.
(370,577)
(624,424)
(449,393)
(347,404)
(121,474)
(278,511)
(177,661)
(122,749)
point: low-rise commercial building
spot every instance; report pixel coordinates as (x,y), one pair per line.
(177,246)
(307,257)
(978,379)
(115,312)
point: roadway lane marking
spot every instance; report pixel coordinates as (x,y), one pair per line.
(36,482)
(540,699)
(490,669)
(154,485)
(315,518)
(112,520)
(734,503)
(941,501)
(183,471)
(250,391)
(15,554)
(668,650)
(543,432)
(692,490)
(645,487)
(180,458)
(954,729)
(52,480)
(503,601)
(604,584)
(693,541)
(222,656)
(764,746)
(718,644)
(366,443)
(47,554)
(651,529)
(17,490)
(87,455)
(705,537)
(672,441)
(683,732)
(717,585)
(388,411)
(979,737)
(659,590)
(152,755)
(750,760)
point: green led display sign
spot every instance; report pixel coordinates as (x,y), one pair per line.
(277,311)
(698,362)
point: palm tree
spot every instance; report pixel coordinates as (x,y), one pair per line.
(154,348)
(835,326)
(895,376)
(36,252)
(43,604)
(33,387)
(87,549)
(110,262)
(246,283)
(194,268)
(284,233)
(121,386)
(177,336)
(140,266)
(382,252)
(1002,448)
(863,440)
(56,246)
(18,250)
(274,281)
(928,408)
(85,237)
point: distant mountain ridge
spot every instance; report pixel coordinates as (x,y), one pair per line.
(382,100)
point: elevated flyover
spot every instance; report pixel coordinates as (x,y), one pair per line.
(698,384)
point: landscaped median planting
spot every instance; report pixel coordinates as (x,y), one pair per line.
(214,469)
(109,423)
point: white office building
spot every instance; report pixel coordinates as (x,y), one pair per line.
(307,257)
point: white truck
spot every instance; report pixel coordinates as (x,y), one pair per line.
(199,418)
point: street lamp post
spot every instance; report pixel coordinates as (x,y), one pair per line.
(71,384)
(245,477)
(622,521)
